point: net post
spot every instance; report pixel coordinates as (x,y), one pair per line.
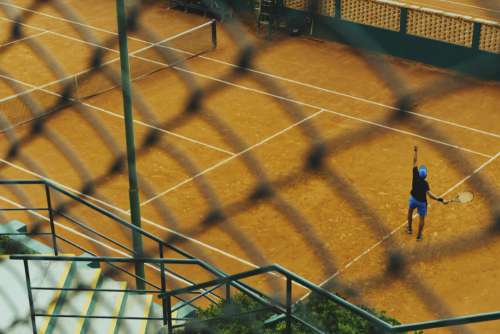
(135,212)
(214,34)
(288,322)
(51,219)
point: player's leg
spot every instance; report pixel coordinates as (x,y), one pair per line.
(410,220)
(412,205)
(421,224)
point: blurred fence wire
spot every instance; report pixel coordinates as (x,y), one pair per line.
(28,113)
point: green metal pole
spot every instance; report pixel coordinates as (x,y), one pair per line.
(135,211)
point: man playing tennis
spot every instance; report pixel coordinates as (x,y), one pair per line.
(418,196)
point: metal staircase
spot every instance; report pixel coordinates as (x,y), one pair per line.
(60,311)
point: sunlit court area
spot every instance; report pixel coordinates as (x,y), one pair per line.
(247,166)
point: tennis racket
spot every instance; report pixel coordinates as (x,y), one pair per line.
(463,197)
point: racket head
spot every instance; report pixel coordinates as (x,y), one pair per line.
(464,197)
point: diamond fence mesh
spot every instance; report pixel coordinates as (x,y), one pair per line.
(39,118)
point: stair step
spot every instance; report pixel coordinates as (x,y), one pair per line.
(136,305)
(74,302)
(186,311)
(106,304)
(15,303)
(15,226)
(154,326)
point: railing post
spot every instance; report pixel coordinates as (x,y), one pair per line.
(51,220)
(164,291)
(163,288)
(288,306)
(169,310)
(30,296)
(214,34)
(228,293)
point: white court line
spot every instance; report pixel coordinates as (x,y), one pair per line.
(305,104)
(220,163)
(161,227)
(469,5)
(145,220)
(23,39)
(409,133)
(108,112)
(117,209)
(276,96)
(133,54)
(387,236)
(361,99)
(42,88)
(331,91)
(84,236)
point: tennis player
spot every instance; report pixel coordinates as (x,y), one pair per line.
(418,196)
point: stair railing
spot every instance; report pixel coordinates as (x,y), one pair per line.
(159,291)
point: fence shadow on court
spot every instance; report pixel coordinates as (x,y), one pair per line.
(28,117)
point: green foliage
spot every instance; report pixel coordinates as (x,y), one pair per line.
(9,246)
(244,315)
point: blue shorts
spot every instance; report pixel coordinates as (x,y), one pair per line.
(421,206)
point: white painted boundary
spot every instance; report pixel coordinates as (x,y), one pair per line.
(274,96)
(133,54)
(161,227)
(470,6)
(110,113)
(262,73)
(213,167)
(220,163)
(331,91)
(23,39)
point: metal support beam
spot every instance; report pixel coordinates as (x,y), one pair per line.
(30,296)
(135,212)
(288,329)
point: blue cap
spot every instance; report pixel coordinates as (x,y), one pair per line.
(422,171)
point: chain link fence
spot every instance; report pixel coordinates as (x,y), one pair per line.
(32,113)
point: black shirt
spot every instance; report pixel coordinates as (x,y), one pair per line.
(419,187)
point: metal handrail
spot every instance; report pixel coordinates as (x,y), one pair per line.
(50,185)
(220,280)
(166,307)
(292,277)
(209,268)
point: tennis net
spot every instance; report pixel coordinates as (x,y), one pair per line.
(153,57)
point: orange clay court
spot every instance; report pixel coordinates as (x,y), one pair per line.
(339,93)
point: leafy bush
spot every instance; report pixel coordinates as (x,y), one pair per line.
(244,315)
(9,246)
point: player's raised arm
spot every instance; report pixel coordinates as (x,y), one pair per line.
(415,151)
